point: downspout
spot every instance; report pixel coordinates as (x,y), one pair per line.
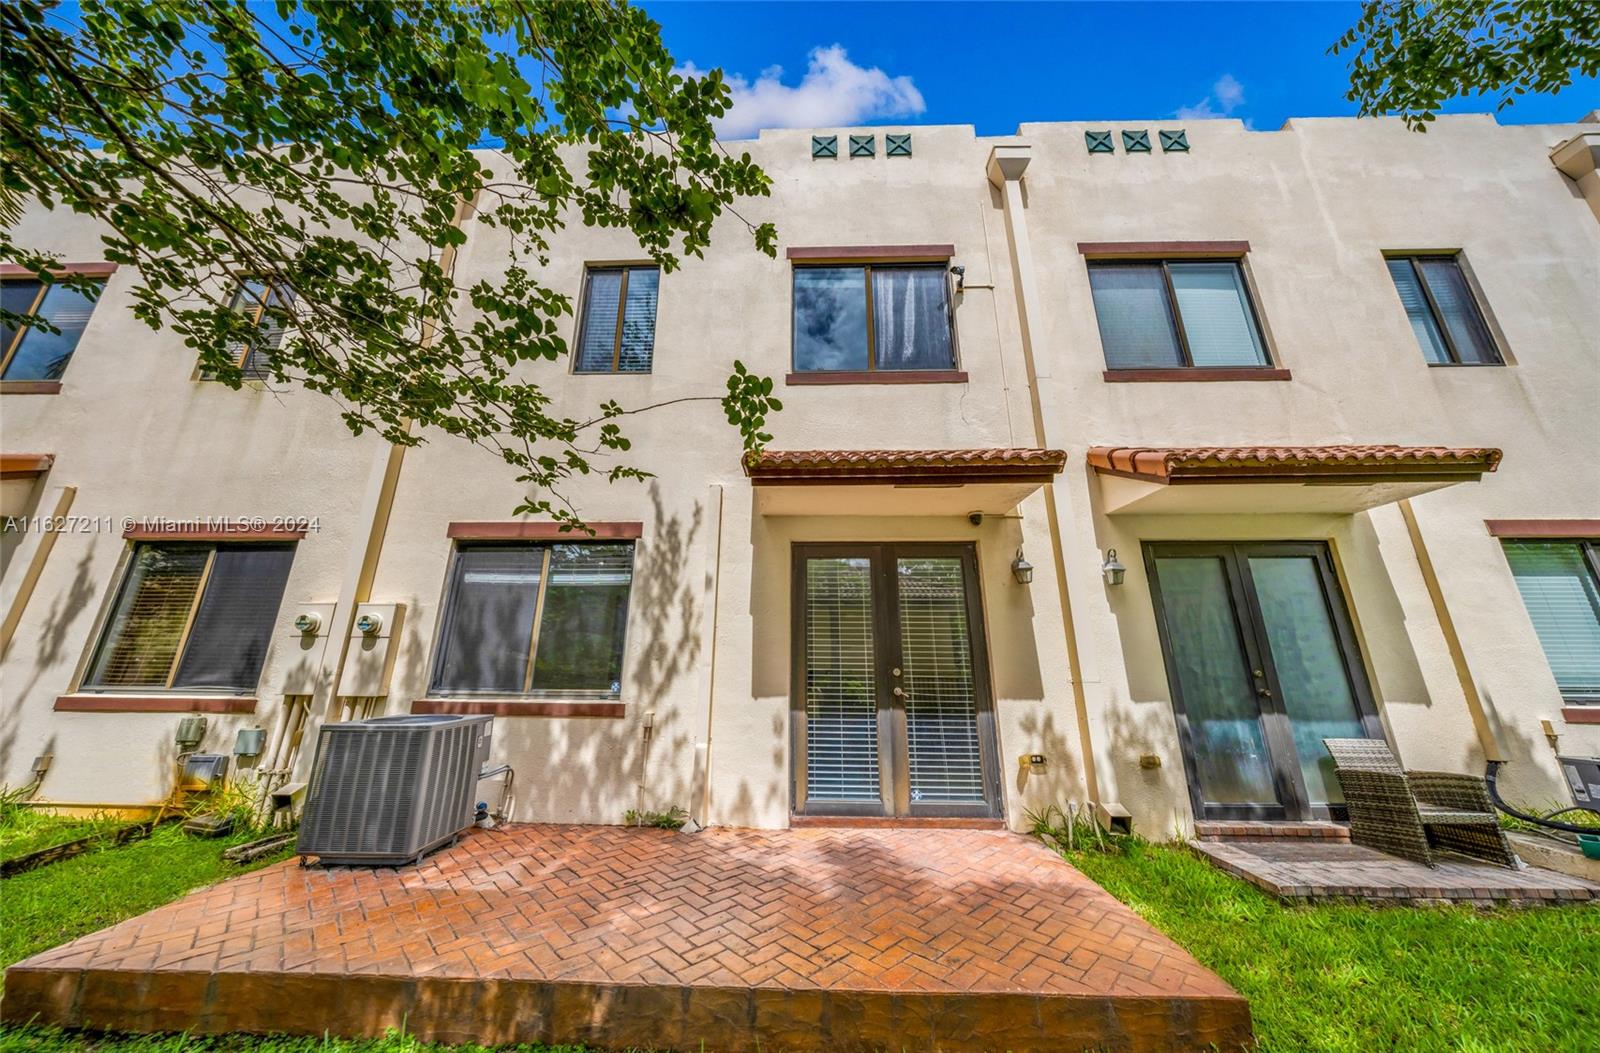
(376,507)
(1005,168)
(1452,640)
(18,601)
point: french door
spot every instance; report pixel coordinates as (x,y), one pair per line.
(891,713)
(1263,665)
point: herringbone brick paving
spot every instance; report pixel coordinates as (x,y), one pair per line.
(949,916)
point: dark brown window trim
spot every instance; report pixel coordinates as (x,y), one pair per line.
(1195,373)
(145,530)
(155,704)
(100,269)
(30,387)
(1543,528)
(880,376)
(515,531)
(872,252)
(1134,250)
(512,708)
(1581,714)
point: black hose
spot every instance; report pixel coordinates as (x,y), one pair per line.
(1494,795)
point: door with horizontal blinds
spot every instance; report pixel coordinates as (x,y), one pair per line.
(891,711)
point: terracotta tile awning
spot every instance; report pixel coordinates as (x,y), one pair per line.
(1268,464)
(902,467)
(25,465)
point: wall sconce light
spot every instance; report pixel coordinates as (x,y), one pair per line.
(1113,568)
(1021,569)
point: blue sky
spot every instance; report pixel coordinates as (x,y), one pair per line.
(996,65)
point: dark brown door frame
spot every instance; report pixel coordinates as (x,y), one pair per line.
(893,743)
(1293,799)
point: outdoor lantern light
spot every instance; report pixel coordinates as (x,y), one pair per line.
(1113,568)
(1021,569)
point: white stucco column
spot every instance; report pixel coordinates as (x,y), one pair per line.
(1005,168)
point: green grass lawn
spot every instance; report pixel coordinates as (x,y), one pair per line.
(23,830)
(1363,979)
(65,900)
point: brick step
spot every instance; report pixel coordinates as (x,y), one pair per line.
(1246,831)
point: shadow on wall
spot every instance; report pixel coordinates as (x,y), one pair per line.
(589,769)
(65,608)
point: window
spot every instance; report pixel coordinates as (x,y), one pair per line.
(872,317)
(266,305)
(1158,314)
(619,320)
(1557,580)
(192,616)
(1442,310)
(30,353)
(535,620)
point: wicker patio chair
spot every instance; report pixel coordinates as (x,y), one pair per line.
(1414,814)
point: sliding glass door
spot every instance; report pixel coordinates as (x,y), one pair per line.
(1262,664)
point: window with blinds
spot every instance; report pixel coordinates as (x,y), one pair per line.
(535,620)
(1558,582)
(1442,310)
(618,334)
(192,616)
(876,316)
(265,305)
(1175,314)
(32,352)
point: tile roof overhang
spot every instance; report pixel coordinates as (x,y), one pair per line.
(25,465)
(902,467)
(1355,465)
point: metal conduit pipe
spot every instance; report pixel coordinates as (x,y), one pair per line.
(1489,777)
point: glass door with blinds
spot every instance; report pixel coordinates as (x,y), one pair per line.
(891,711)
(1262,664)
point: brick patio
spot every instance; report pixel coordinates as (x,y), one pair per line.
(1313,868)
(814,939)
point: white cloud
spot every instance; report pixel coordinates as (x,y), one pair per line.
(834,92)
(1227,95)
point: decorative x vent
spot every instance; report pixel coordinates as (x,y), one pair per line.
(1099,142)
(824,146)
(897,145)
(863,145)
(1136,142)
(1174,142)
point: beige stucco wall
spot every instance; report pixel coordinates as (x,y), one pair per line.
(705,542)
(707,648)
(140,438)
(1319,201)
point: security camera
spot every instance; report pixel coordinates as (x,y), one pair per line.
(975,518)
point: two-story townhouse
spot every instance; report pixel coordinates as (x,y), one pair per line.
(1003,551)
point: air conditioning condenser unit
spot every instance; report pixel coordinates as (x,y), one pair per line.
(389,790)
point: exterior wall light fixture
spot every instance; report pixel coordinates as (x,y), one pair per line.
(1021,569)
(1113,568)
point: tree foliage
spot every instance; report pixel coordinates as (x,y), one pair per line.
(1411,57)
(329,146)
